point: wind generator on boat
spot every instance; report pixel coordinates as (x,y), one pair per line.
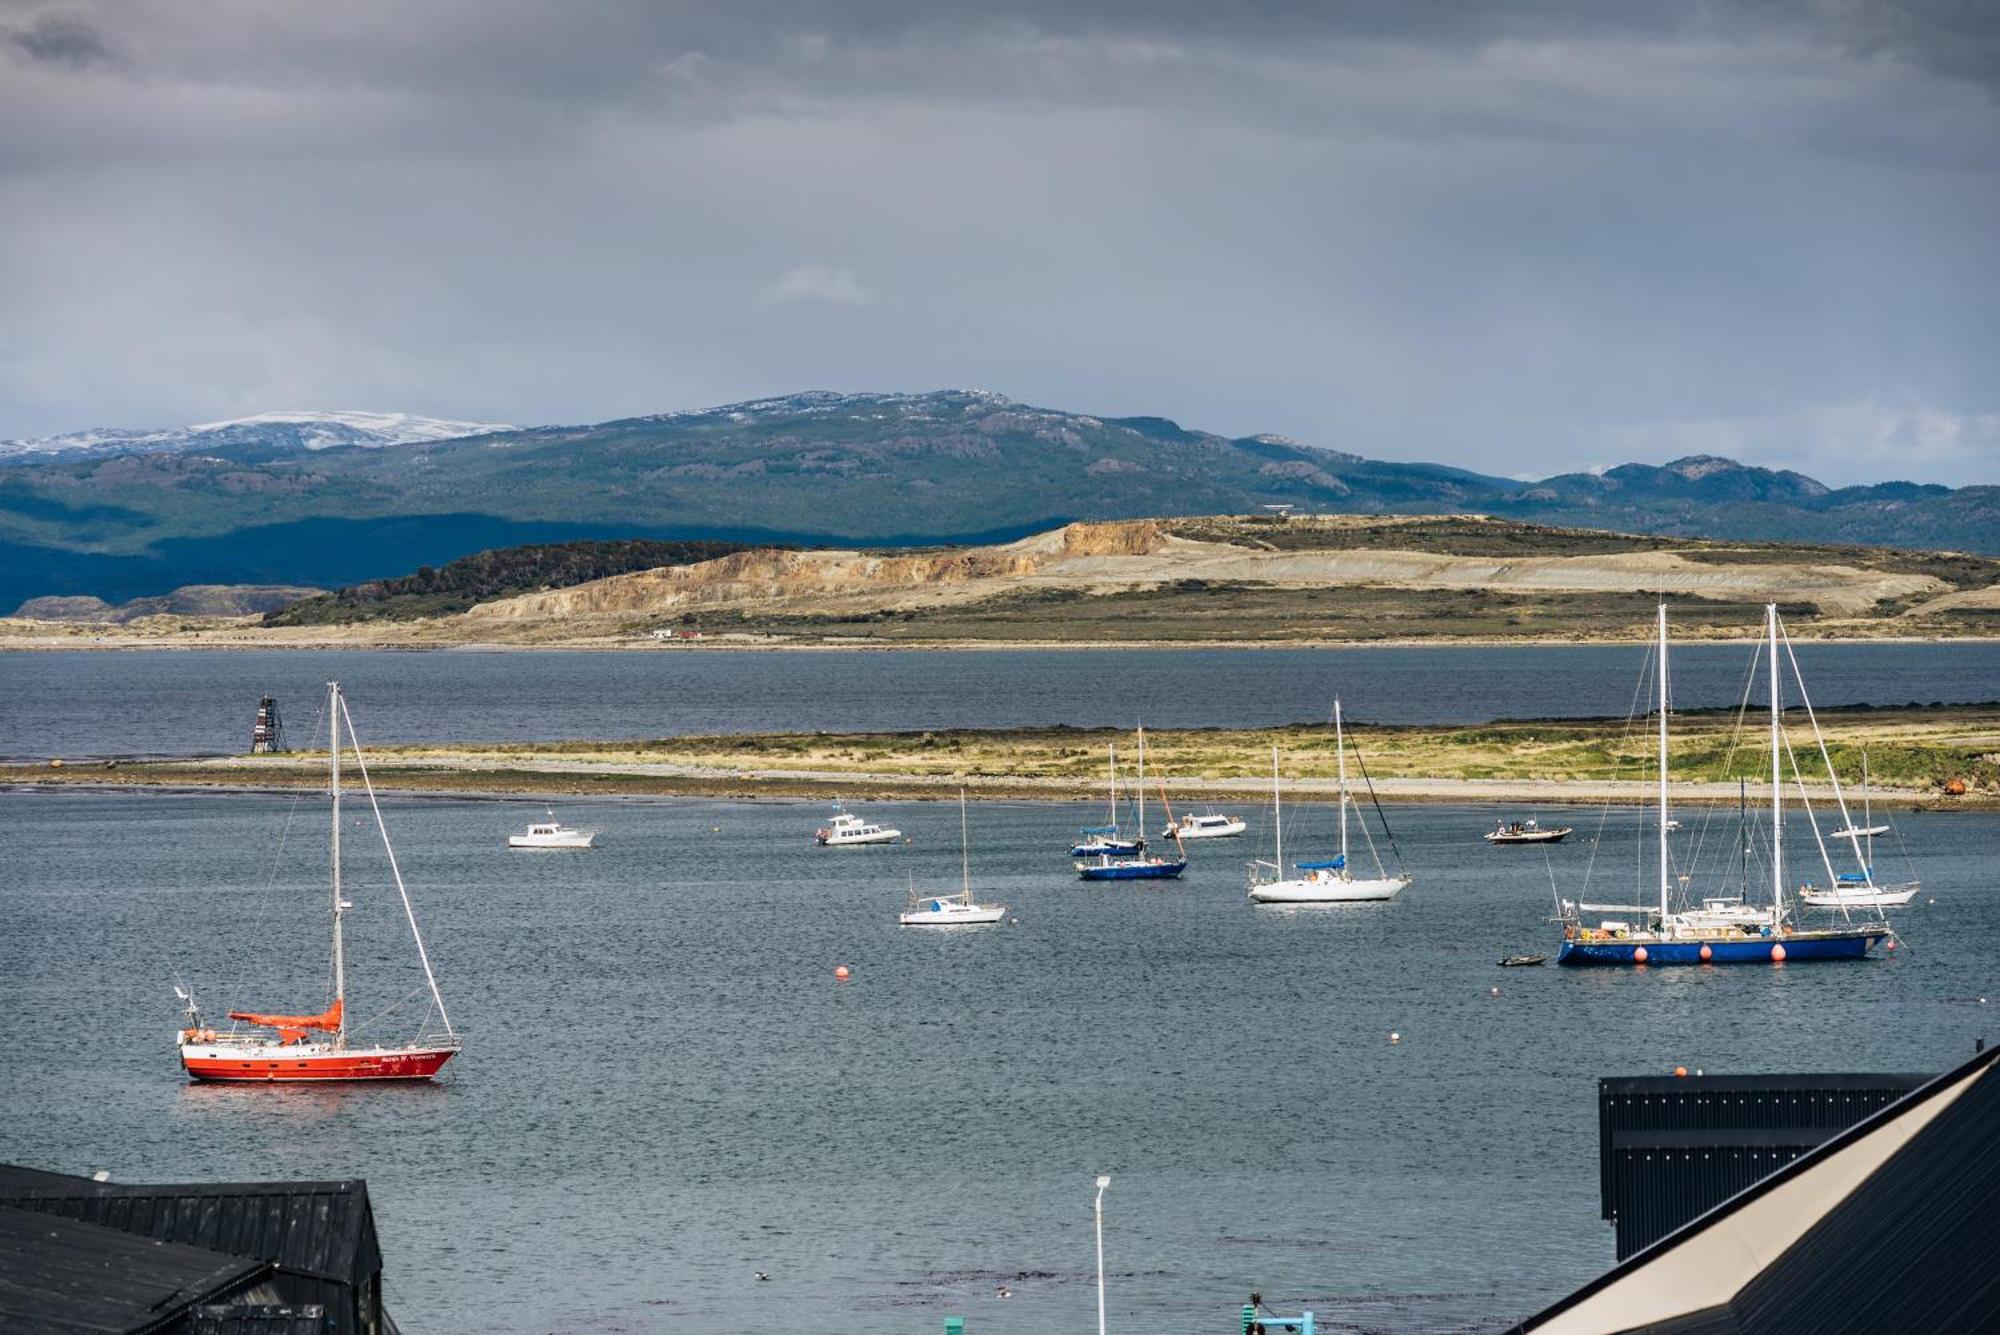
(1329,880)
(1725,929)
(319,1047)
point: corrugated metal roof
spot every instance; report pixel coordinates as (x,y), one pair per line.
(1672,1148)
(1908,1247)
(65,1277)
(323,1229)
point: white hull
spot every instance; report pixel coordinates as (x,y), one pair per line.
(1858,899)
(1328,890)
(856,840)
(1531,837)
(1227,829)
(569,839)
(1865,832)
(954,915)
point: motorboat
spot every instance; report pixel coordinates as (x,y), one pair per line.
(844,829)
(1206,825)
(1527,832)
(551,833)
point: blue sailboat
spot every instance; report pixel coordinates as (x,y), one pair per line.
(1104,840)
(1725,929)
(1136,866)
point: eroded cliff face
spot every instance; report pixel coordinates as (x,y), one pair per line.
(1099,558)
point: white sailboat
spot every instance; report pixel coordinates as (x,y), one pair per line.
(1322,882)
(956,909)
(1858,889)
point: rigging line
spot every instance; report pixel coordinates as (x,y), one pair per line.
(384,1013)
(1846,821)
(234,992)
(1805,804)
(1710,810)
(1380,815)
(408,911)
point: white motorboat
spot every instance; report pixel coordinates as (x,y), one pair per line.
(957,908)
(551,833)
(1328,881)
(1207,825)
(1527,832)
(847,830)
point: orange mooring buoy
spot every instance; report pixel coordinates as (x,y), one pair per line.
(840,972)
(1778,953)
(1680,1070)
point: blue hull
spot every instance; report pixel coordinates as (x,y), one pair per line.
(1133,871)
(1725,950)
(1115,847)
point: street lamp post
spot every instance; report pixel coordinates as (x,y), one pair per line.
(1103,1181)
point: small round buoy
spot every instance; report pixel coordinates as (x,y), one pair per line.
(1680,1070)
(1890,944)
(840,971)
(1395,1037)
(1495,992)
(1706,953)
(1639,955)
(1982,1001)
(1013,922)
(1778,953)
(1697,1070)
(715,829)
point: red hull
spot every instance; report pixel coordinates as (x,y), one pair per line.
(398,1064)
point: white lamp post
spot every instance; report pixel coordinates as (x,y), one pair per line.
(1103,1181)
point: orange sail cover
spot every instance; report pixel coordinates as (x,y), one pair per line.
(293,1028)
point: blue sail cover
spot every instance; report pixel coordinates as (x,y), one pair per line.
(1855,877)
(1100,829)
(1334,864)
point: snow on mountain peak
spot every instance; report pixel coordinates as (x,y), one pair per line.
(310,430)
(386,428)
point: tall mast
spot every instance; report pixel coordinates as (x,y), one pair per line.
(1114,788)
(964,844)
(1277,814)
(1777,784)
(1340,759)
(1142,781)
(339,904)
(1665,872)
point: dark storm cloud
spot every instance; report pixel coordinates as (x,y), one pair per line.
(59,39)
(1551,232)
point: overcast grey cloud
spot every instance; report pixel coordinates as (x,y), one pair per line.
(1521,238)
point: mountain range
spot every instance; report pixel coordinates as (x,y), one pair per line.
(338,498)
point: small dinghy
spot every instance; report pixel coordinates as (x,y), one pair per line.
(1523,961)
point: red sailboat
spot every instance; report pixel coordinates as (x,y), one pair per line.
(317,1047)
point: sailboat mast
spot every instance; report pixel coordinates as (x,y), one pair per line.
(333,786)
(1142,782)
(1277,814)
(1777,782)
(1340,760)
(1665,867)
(1114,788)
(964,844)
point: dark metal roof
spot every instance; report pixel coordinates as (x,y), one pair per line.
(323,1229)
(64,1277)
(1908,1248)
(1671,1148)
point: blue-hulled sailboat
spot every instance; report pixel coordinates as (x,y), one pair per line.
(1724,930)
(1136,866)
(1104,840)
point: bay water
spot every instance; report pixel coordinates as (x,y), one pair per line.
(665,1091)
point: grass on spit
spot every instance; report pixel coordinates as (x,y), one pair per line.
(1912,749)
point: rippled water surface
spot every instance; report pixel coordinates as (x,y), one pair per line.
(664,1089)
(181,703)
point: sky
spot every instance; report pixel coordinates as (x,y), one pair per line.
(1523,237)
